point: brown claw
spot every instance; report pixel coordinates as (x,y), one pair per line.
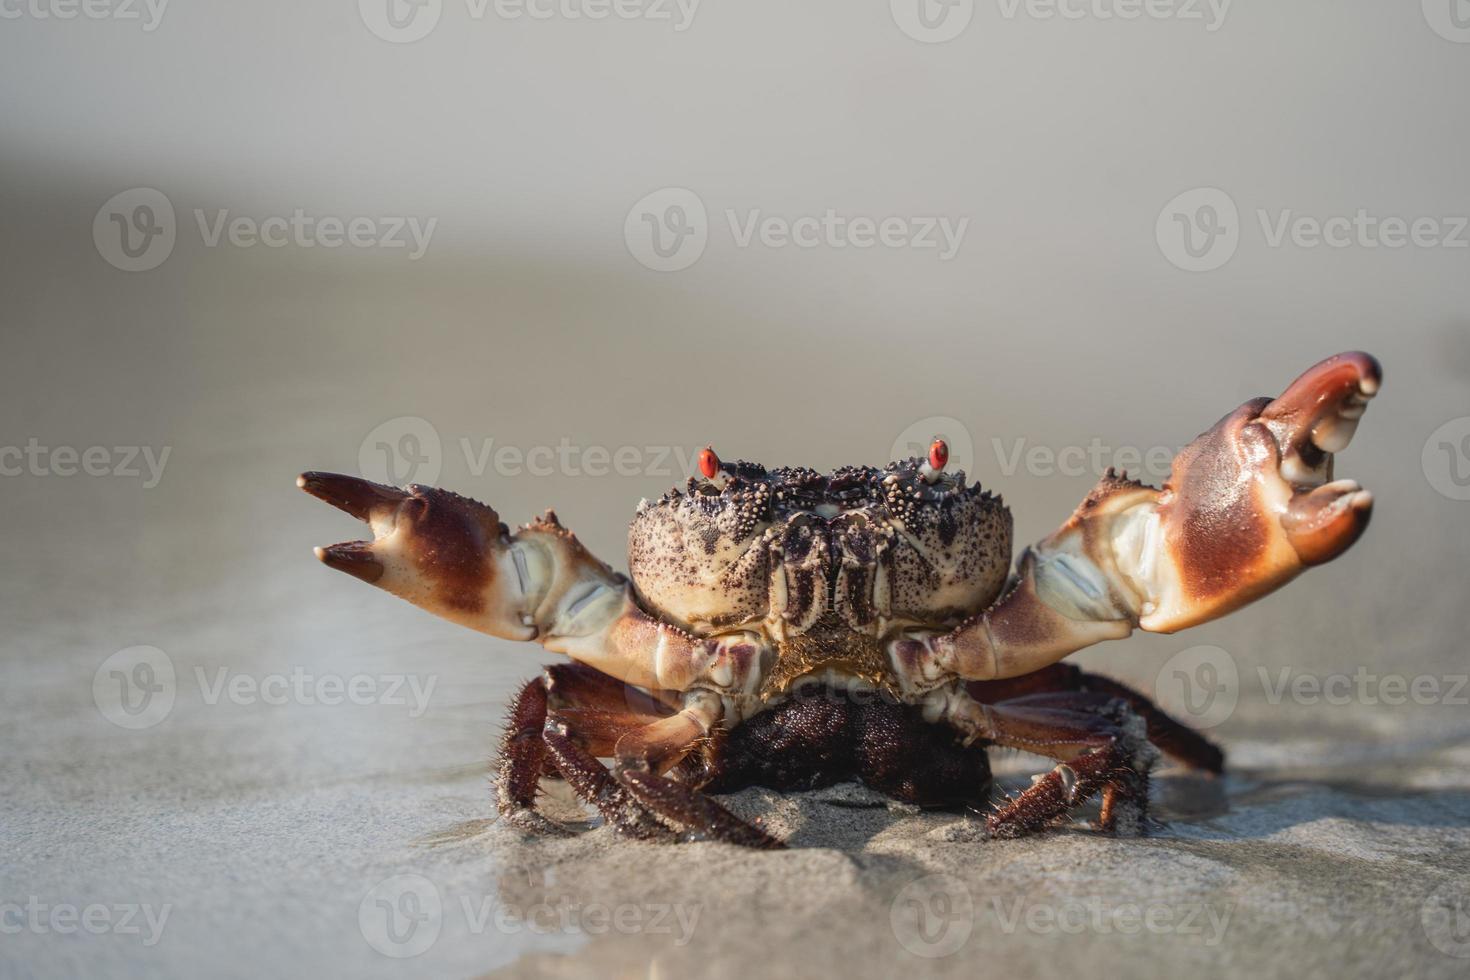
(1325,522)
(348,493)
(1249,504)
(1318,413)
(439,550)
(356,558)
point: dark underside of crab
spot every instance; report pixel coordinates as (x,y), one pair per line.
(563,723)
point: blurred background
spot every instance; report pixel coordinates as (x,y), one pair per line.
(541,253)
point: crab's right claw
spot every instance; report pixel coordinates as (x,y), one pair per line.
(445,553)
(1251,503)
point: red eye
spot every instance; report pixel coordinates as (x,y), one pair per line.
(938,454)
(709,463)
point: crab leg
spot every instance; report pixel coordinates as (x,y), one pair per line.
(1248,506)
(1100,743)
(643,756)
(453,557)
(1059,685)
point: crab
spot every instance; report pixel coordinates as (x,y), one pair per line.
(791,629)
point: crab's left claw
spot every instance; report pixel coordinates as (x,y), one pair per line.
(1313,419)
(1251,503)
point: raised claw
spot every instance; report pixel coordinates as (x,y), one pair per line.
(445,553)
(1248,504)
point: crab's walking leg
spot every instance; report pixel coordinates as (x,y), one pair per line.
(572,715)
(560,724)
(1099,741)
(524,761)
(1248,506)
(453,557)
(644,755)
(1054,686)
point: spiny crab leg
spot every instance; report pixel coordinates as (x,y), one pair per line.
(1247,507)
(452,556)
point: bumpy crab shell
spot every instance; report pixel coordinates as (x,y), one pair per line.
(863,547)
